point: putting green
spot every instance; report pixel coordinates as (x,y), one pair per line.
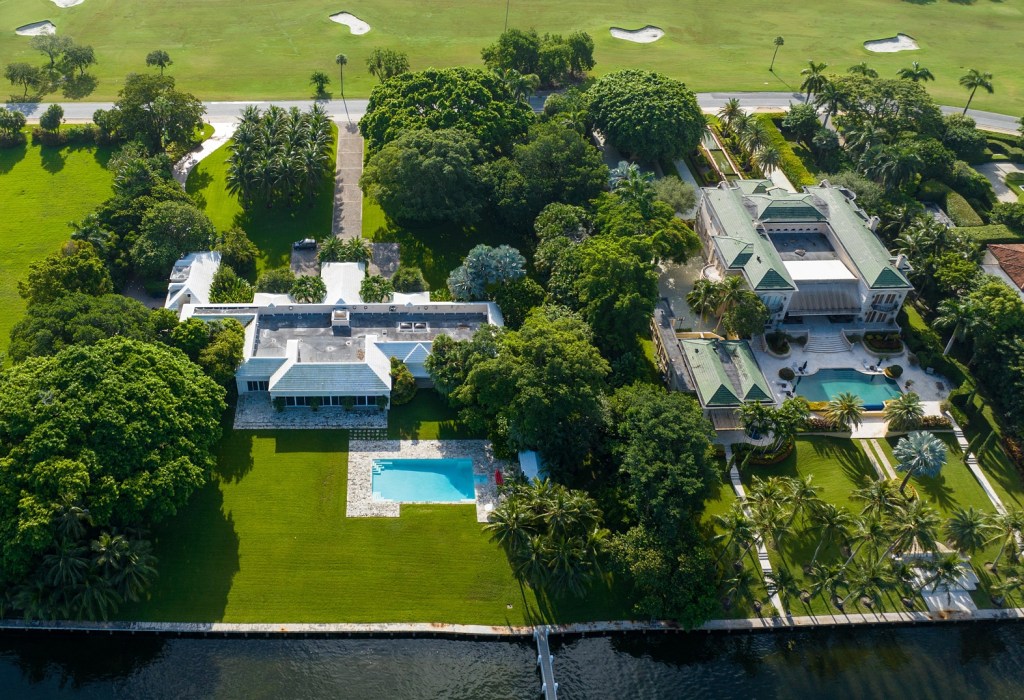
(267,49)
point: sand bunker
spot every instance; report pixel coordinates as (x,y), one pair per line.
(646,35)
(357,25)
(36,28)
(900,42)
(67,3)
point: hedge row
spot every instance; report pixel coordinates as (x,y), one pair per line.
(960,210)
(993,233)
(792,167)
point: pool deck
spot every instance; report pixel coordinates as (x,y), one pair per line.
(932,388)
(362,454)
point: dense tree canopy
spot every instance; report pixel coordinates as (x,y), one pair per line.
(542,389)
(123,429)
(78,319)
(168,231)
(74,268)
(472,100)
(646,115)
(427,176)
(662,445)
(484,268)
(552,57)
(149,109)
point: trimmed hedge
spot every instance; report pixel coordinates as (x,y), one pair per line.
(934,191)
(792,167)
(961,212)
(993,233)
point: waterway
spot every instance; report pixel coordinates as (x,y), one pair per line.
(961,662)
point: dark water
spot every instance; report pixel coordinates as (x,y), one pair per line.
(976,661)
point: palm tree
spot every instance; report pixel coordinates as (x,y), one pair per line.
(973,80)
(532,565)
(737,529)
(880,499)
(1007,528)
(845,411)
(342,60)
(802,498)
(783,582)
(756,418)
(519,86)
(814,78)
(830,99)
(892,166)
(730,291)
(864,69)
(916,72)
(67,567)
(768,158)
(703,299)
(832,522)
(729,113)
(72,520)
(635,186)
(137,572)
(1004,588)
(958,314)
(738,586)
(868,579)
(825,581)
(914,526)
(919,452)
(946,571)
(778,41)
(867,530)
(754,136)
(510,525)
(904,412)
(968,530)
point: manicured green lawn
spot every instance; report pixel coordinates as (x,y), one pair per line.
(272,230)
(41,190)
(427,417)
(267,49)
(269,541)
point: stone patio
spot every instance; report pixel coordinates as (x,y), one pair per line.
(362,453)
(255,412)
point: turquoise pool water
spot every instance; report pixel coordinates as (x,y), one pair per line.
(423,480)
(825,384)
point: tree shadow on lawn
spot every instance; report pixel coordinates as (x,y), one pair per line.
(197,551)
(52,159)
(937,491)
(427,417)
(852,460)
(235,458)
(10,157)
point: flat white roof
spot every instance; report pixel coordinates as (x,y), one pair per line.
(818,270)
(343,281)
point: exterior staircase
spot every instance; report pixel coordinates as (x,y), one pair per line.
(831,342)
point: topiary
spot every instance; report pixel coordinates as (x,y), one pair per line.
(787,374)
(894,371)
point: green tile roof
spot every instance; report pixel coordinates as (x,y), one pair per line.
(725,372)
(872,258)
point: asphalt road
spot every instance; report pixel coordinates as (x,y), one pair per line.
(228,111)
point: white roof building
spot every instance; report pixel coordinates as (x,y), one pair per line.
(191,279)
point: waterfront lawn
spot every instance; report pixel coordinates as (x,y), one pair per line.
(41,190)
(212,44)
(272,230)
(268,541)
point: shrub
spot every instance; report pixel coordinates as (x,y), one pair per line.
(382,402)
(314,403)
(933,191)
(408,279)
(403,384)
(960,211)
(778,343)
(883,342)
(993,233)
(894,371)
(349,402)
(787,374)
(814,424)
(277,281)
(1012,215)
(935,423)
(375,289)
(792,167)
(279,404)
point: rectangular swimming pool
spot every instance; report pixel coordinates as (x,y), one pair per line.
(423,480)
(825,384)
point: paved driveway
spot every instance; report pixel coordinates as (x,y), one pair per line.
(996,174)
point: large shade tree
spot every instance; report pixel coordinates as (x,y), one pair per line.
(646,114)
(469,99)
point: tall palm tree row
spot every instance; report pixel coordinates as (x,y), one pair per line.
(973,80)
(280,156)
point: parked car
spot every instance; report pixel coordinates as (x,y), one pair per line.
(305,244)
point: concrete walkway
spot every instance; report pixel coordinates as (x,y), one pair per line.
(222,131)
(348,198)
(878,459)
(996,174)
(779,179)
(762,551)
